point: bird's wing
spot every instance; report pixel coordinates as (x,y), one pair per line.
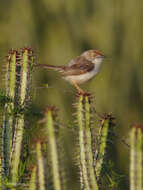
(71,62)
(80,65)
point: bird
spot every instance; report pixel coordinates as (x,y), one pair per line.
(80,69)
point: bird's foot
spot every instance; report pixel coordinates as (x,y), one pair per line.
(81,92)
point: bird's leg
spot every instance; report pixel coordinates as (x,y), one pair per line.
(80,91)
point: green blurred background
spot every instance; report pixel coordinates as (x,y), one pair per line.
(59,30)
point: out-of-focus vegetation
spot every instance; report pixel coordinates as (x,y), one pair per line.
(60,30)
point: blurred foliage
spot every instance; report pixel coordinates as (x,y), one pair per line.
(60,30)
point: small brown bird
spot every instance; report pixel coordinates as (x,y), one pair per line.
(80,69)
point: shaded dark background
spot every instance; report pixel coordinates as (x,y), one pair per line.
(59,30)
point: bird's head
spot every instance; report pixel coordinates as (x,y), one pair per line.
(93,55)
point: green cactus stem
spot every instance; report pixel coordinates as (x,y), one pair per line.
(27,62)
(52,148)
(17,149)
(41,180)
(11,74)
(85,143)
(136,157)
(32,184)
(8,112)
(102,140)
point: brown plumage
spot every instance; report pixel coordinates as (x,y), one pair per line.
(80,66)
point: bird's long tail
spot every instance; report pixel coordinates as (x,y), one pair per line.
(57,68)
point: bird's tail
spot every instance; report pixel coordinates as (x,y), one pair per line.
(57,68)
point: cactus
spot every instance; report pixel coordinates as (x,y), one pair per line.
(8,112)
(103,137)
(17,149)
(24,91)
(17,92)
(32,183)
(85,142)
(57,177)
(136,157)
(40,161)
(27,62)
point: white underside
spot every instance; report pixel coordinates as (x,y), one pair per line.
(86,76)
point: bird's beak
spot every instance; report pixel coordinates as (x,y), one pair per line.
(103,56)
